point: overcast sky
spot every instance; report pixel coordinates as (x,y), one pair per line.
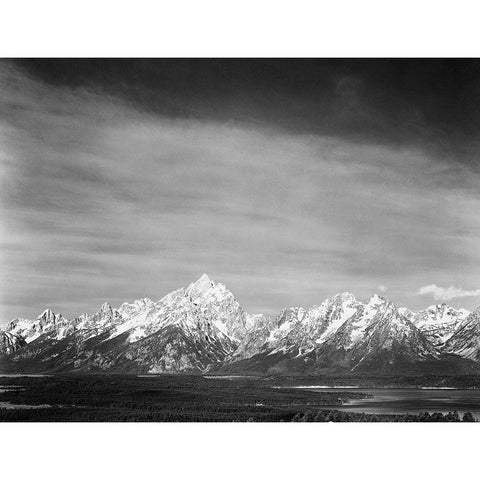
(289,181)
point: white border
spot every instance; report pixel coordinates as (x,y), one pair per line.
(248,28)
(238,451)
(239,28)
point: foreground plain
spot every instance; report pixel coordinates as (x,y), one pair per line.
(195,398)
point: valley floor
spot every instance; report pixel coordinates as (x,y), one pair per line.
(196,398)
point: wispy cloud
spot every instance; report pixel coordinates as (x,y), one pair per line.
(449,293)
(382,288)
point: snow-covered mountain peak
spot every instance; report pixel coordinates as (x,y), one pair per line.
(126,308)
(465,340)
(205,291)
(47,322)
(202,325)
(144,301)
(48,316)
(339,306)
(375,305)
(335,306)
(200,286)
(439,322)
(103,319)
(436,309)
(376,299)
(106,308)
(344,297)
(440,313)
(205,311)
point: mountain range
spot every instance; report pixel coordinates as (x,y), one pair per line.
(202,328)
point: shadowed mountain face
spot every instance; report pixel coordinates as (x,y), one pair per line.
(203,328)
(9,343)
(465,341)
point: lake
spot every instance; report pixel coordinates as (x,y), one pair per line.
(409,400)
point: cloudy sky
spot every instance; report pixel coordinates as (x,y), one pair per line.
(287,180)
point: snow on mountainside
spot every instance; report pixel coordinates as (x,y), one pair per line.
(89,326)
(407,313)
(191,328)
(202,306)
(300,331)
(56,326)
(465,342)
(439,322)
(341,332)
(261,328)
(379,335)
(202,327)
(47,322)
(9,343)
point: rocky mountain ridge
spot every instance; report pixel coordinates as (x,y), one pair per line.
(203,328)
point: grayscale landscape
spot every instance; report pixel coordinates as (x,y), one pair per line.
(240,240)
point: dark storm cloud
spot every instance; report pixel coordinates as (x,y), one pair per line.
(433,103)
(288,182)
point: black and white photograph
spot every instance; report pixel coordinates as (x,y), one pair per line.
(240,240)
(196,239)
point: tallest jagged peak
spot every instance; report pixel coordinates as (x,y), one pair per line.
(106,308)
(203,279)
(47,315)
(201,285)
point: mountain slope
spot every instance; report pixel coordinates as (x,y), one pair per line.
(10,343)
(203,328)
(344,334)
(439,322)
(378,340)
(46,322)
(190,329)
(465,342)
